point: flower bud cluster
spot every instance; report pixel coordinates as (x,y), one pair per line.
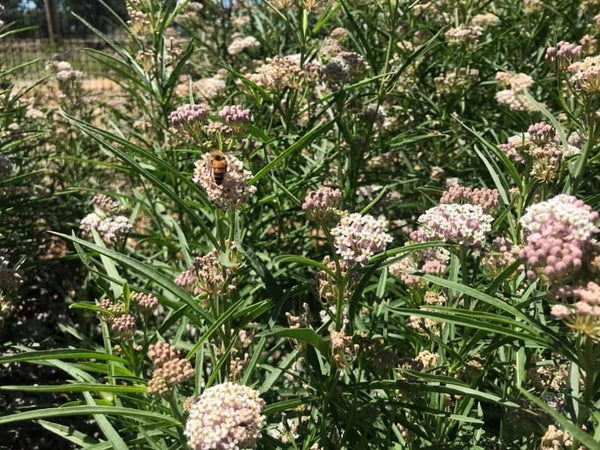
(501,254)
(139,21)
(558,232)
(145,302)
(235,117)
(463,224)
(357,238)
(514,97)
(488,199)
(170,370)
(322,205)
(124,326)
(188,116)
(431,260)
(343,350)
(464,35)
(225,416)
(239,44)
(586,75)
(329,287)
(540,148)
(454,82)
(282,72)
(208,277)
(583,315)
(564,54)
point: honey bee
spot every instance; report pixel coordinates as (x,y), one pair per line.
(218,163)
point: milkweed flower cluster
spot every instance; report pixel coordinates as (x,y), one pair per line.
(483,20)
(210,87)
(463,224)
(282,72)
(139,21)
(105,219)
(344,67)
(343,349)
(227,415)
(558,233)
(454,82)
(514,97)
(329,287)
(145,302)
(500,255)
(114,315)
(170,369)
(357,238)
(586,75)
(235,117)
(234,191)
(556,439)
(188,115)
(564,54)
(540,148)
(488,199)
(208,277)
(322,205)
(239,44)
(431,260)
(469,35)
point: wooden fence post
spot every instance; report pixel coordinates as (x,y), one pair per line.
(52,20)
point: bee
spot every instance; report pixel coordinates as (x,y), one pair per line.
(218,163)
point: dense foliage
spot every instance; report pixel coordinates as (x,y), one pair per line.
(308,224)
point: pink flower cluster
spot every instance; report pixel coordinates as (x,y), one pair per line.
(488,199)
(321,205)
(563,54)
(208,277)
(329,287)
(188,115)
(225,416)
(170,369)
(431,260)
(235,115)
(234,191)
(558,232)
(359,237)
(463,224)
(586,75)
(104,219)
(539,147)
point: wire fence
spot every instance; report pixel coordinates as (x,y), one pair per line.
(16,52)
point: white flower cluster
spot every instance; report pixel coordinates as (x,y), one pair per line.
(559,215)
(225,416)
(464,224)
(239,44)
(105,220)
(233,191)
(359,237)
